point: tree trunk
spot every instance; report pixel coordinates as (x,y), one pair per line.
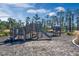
(77,24)
(70,27)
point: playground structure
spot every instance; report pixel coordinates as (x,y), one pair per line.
(33,30)
(37,29)
(76,39)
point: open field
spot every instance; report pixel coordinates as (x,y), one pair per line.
(58,46)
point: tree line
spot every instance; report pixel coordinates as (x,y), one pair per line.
(68,21)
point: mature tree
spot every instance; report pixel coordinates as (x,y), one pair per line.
(69,19)
(27,24)
(20,23)
(43,22)
(77,14)
(12,22)
(54,21)
(3,25)
(36,18)
(61,18)
(27,20)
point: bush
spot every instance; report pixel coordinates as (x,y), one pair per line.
(70,33)
(1,35)
(4,34)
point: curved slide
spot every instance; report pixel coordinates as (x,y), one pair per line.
(73,41)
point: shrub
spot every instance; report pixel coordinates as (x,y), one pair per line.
(4,34)
(70,33)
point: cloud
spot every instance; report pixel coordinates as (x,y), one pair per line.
(37,11)
(3,18)
(5,8)
(6,11)
(60,9)
(42,11)
(4,14)
(31,11)
(23,5)
(52,14)
(14,10)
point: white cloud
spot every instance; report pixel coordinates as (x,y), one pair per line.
(7,10)
(24,5)
(60,9)
(37,11)
(3,18)
(52,14)
(4,14)
(31,11)
(42,11)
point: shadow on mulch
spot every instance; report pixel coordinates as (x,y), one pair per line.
(20,41)
(10,42)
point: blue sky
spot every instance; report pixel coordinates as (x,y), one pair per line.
(20,11)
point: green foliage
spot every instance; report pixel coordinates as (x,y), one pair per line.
(69,33)
(3,34)
(12,23)
(62,18)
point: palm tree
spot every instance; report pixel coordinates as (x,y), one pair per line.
(27,27)
(69,20)
(43,23)
(27,23)
(61,18)
(20,23)
(27,20)
(77,14)
(46,22)
(36,18)
(12,22)
(54,21)
(72,21)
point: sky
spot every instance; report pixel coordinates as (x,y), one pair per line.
(20,11)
